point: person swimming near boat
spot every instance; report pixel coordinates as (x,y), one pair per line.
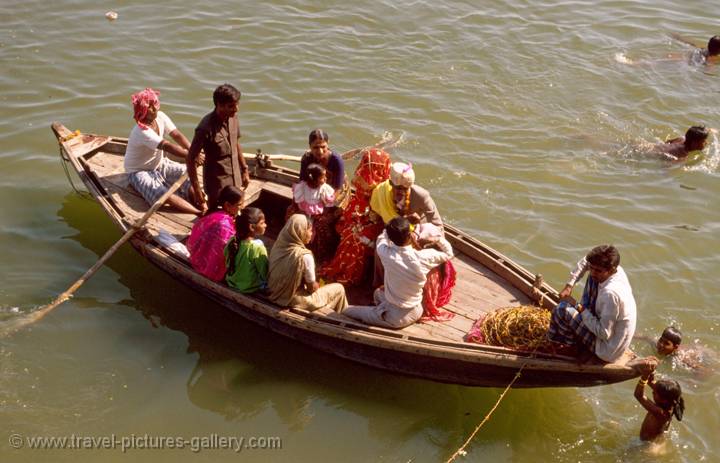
(699,56)
(604,322)
(667,401)
(150,171)
(696,358)
(679,148)
(709,54)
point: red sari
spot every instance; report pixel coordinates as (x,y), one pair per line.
(437,292)
(356,227)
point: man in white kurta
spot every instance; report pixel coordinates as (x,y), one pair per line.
(399,301)
(605,320)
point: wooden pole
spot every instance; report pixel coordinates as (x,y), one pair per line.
(353,153)
(64,296)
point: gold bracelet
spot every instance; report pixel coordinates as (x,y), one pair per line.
(643,381)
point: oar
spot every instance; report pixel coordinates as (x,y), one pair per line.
(40,313)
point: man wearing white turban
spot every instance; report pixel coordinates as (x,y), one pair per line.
(400,196)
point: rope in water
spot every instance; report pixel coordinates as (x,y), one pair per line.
(461,450)
(64,161)
(521,327)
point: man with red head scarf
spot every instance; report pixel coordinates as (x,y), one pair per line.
(150,171)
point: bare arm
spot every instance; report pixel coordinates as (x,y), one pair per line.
(245,172)
(173,148)
(686,40)
(575,275)
(191,162)
(180,139)
(648,404)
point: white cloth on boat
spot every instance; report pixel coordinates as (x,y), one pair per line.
(142,151)
(168,241)
(384,313)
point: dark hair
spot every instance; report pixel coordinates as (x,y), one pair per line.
(605,256)
(672,334)
(671,392)
(696,134)
(229,194)
(226,93)
(714,45)
(314,172)
(317,134)
(398,230)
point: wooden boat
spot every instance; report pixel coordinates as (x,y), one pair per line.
(436,351)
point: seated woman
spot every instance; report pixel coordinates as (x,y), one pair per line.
(245,256)
(359,227)
(211,233)
(400,196)
(325,240)
(291,278)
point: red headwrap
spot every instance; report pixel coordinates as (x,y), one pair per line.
(141,101)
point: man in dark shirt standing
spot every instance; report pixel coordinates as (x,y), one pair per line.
(218,135)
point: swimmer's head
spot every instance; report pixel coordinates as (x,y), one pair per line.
(669,341)
(713,45)
(696,138)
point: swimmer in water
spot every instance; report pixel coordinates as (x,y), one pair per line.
(709,54)
(699,56)
(679,148)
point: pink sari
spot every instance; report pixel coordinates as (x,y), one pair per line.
(207,242)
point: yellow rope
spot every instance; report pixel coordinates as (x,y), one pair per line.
(70,136)
(461,450)
(521,327)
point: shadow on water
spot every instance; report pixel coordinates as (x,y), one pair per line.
(243,369)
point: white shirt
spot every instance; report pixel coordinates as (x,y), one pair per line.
(142,151)
(309,270)
(313,200)
(616,311)
(406,269)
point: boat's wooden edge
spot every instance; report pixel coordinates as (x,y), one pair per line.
(381,337)
(395,340)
